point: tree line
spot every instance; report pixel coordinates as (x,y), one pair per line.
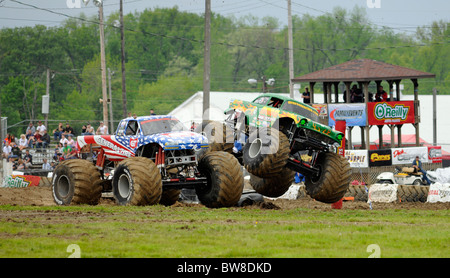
(164,58)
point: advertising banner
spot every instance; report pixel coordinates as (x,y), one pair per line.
(352,114)
(435,154)
(383,193)
(357,158)
(380,158)
(20,181)
(393,112)
(322,108)
(439,193)
(407,155)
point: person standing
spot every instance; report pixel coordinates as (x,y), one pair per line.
(381,95)
(306,96)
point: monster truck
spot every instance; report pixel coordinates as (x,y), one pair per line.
(147,161)
(280,136)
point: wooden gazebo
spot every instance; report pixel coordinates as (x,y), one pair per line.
(364,71)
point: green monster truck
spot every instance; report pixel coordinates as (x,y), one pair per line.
(274,137)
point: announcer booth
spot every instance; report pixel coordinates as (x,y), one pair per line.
(368,160)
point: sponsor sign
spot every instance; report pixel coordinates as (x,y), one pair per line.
(357,158)
(380,158)
(393,112)
(439,193)
(435,154)
(18,181)
(408,155)
(383,193)
(322,108)
(352,114)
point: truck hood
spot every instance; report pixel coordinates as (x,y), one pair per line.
(121,147)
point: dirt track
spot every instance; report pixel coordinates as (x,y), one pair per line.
(42,196)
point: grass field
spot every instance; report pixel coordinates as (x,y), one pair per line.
(195,232)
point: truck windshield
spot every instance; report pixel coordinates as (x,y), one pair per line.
(301,109)
(161,126)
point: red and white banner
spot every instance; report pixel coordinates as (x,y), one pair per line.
(435,154)
(393,112)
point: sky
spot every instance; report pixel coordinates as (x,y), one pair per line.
(401,15)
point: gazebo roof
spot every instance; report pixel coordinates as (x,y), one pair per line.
(363,70)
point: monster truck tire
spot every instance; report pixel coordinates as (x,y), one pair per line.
(76,181)
(225,180)
(274,186)
(169,197)
(218,137)
(137,181)
(333,180)
(266,157)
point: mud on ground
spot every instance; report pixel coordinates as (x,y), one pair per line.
(42,196)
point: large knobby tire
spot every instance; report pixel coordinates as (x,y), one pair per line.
(219,138)
(137,182)
(266,152)
(170,197)
(76,181)
(274,186)
(333,180)
(225,180)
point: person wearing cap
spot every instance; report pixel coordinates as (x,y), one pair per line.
(417,165)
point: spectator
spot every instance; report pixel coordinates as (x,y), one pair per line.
(7,139)
(28,159)
(29,134)
(356,94)
(20,165)
(41,128)
(381,95)
(58,131)
(37,138)
(31,142)
(417,165)
(152,112)
(63,139)
(15,151)
(30,129)
(6,151)
(89,130)
(58,152)
(306,96)
(68,130)
(72,154)
(102,129)
(23,142)
(44,141)
(70,141)
(46,165)
(66,151)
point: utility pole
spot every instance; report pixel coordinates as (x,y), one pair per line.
(103,66)
(291,51)
(122,39)
(47,93)
(207,57)
(110,102)
(434,118)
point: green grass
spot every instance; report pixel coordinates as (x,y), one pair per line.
(177,232)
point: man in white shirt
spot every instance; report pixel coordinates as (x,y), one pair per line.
(41,128)
(46,165)
(6,150)
(102,129)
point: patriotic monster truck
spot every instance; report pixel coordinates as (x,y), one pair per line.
(281,136)
(150,159)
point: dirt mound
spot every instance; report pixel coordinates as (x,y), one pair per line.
(42,196)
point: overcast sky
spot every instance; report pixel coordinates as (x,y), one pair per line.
(403,15)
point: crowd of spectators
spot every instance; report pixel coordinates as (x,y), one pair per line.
(38,139)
